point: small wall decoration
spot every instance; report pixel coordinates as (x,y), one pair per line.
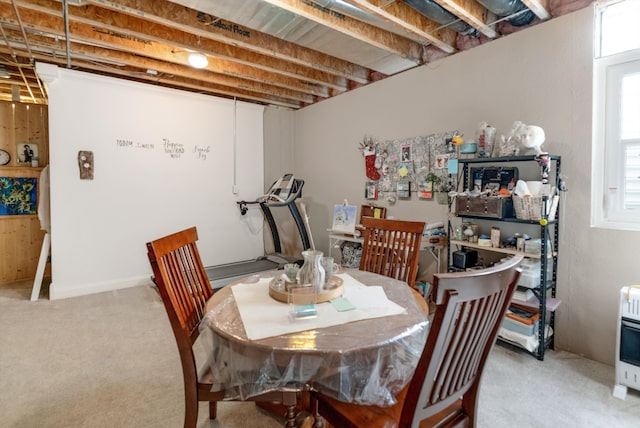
(406,152)
(425,189)
(398,165)
(344,218)
(85,164)
(403,188)
(442,161)
(18,195)
(26,152)
(371,191)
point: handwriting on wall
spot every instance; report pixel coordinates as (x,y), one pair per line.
(171,148)
(201,152)
(130,144)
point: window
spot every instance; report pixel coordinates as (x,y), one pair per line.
(616,166)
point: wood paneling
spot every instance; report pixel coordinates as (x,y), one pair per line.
(20,235)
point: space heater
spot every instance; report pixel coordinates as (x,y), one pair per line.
(628,342)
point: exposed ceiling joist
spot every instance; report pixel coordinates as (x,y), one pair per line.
(209,26)
(471,12)
(539,7)
(290,53)
(370,34)
(407,18)
(135,35)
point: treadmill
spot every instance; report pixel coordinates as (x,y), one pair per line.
(283,193)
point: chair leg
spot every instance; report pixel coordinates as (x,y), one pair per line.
(319,420)
(213,410)
(190,413)
(319,423)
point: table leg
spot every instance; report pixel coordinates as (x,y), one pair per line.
(289,400)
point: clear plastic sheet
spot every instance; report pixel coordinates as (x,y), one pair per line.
(366,362)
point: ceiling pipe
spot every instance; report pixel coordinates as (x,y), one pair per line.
(437,13)
(65,16)
(15,57)
(24,34)
(505,8)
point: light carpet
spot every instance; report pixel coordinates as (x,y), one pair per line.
(110,360)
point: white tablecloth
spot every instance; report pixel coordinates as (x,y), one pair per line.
(264,316)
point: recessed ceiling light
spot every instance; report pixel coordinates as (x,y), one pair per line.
(198,60)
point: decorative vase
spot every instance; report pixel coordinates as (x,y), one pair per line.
(312,273)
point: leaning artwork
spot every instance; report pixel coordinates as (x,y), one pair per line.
(344,219)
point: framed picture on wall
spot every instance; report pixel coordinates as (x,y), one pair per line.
(442,161)
(26,152)
(371,191)
(405,151)
(425,189)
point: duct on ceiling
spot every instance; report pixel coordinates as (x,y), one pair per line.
(505,8)
(501,8)
(437,13)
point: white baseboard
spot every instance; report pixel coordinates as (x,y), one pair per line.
(59,291)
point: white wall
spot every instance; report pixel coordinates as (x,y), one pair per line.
(541,76)
(279,131)
(142,189)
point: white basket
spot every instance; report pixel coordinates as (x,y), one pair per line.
(530,207)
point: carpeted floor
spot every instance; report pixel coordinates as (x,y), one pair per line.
(110,360)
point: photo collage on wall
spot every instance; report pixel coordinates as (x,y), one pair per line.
(405,165)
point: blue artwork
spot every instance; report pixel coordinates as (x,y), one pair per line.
(18,195)
(344,218)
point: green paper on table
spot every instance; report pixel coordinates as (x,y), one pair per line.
(341,304)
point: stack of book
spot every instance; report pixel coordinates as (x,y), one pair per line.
(523,293)
(521,319)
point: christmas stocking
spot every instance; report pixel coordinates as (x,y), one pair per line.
(370,164)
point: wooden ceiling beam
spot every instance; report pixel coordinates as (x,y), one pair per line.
(85,52)
(124,42)
(407,18)
(382,39)
(137,27)
(539,7)
(134,28)
(471,12)
(205,25)
(170,80)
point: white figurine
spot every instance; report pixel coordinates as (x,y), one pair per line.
(530,139)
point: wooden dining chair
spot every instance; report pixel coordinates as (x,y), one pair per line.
(185,289)
(391,248)
(443,391)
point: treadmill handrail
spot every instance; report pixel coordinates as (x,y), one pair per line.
(296,191)
(265,205)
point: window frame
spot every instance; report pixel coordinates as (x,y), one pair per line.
(608,161)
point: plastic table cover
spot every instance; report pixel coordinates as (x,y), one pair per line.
(366,362)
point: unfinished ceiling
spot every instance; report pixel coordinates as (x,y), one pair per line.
(289,53)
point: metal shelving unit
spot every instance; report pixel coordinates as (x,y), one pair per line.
(545,300)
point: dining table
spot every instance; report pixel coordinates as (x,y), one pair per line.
(361,347)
